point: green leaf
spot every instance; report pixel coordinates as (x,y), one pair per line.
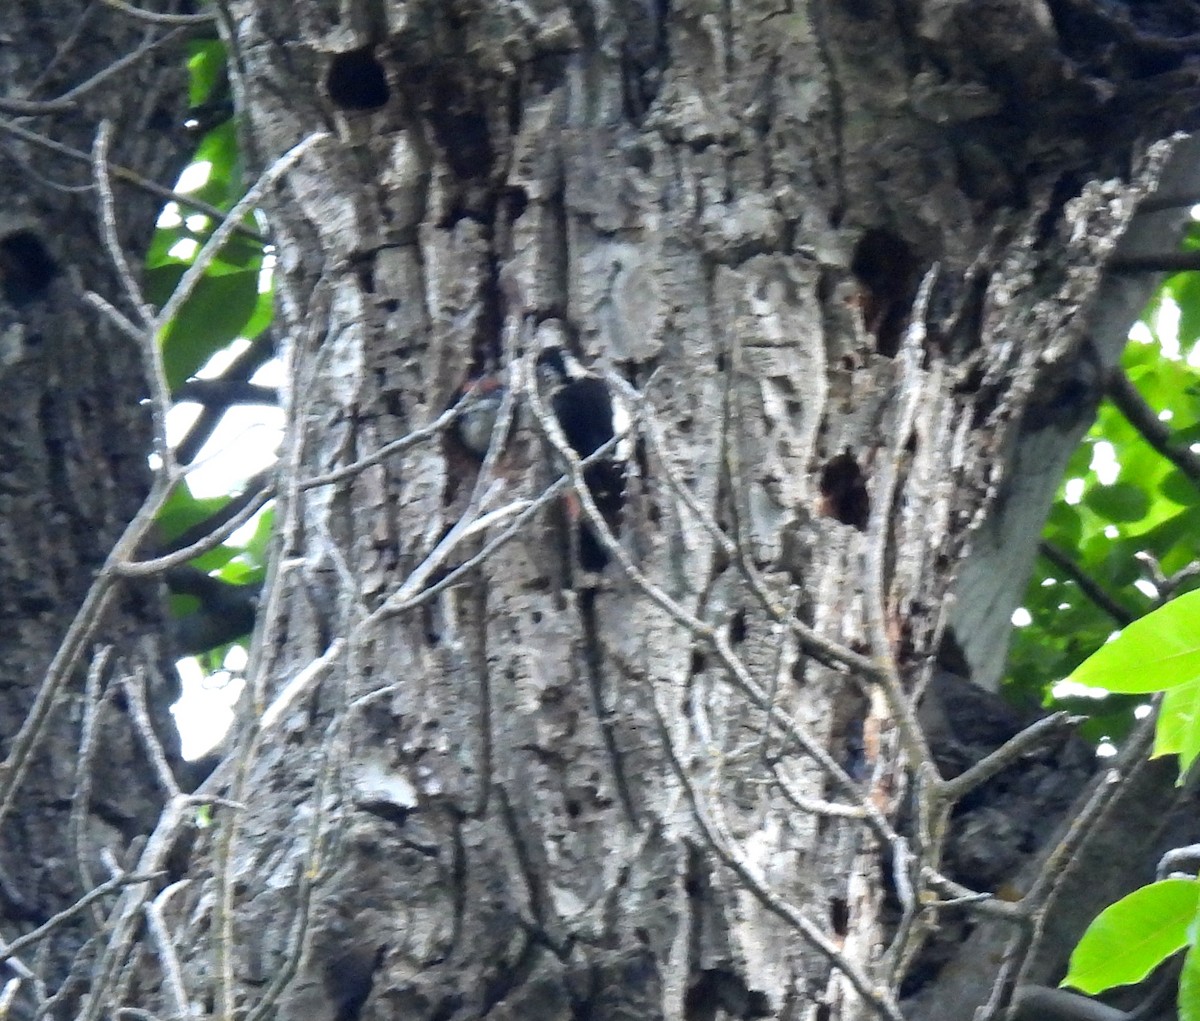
(1130,938)
(1189,986)
(1178,488)
(183,511)
(1156,652)
(1121,501)
(1178,729)
(1185,289)
(215,314)
(219,147)
(206,67)
(1063,526)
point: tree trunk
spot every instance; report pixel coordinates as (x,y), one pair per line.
(73,443)
(853,262)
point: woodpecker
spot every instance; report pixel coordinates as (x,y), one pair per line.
(590,416)
(481,399)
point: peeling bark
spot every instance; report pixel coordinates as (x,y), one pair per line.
(852,261)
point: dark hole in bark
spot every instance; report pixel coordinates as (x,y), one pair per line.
(839,915)
(641,157)
(886,269)
(722,990)
(460,124)
(349,976)
(737,628)
(844,492)
(356,80)
(26,267)
(389,812)
(698,662)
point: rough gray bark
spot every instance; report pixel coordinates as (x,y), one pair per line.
(854,261)
(73,447)
(851,256)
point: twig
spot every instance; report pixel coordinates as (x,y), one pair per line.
(1166,585)
(248,202)
(1087,584)
(93,703)
(1038,900)
(161,19)
(68,100)
(481,493)
(108,223)
(135,697)
(122,926)
(878,530)
(67,913)
(1129,401)
(249,507)
(981,903)
(152,361)
(167,957)
(722,844)
(1019,744)
(260,351)
(126,175)
(428,432)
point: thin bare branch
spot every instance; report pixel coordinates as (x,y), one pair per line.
(122,925)
(94,699)
(69,99)
(1037,902)
(126,175)
(1015,747)
(206,18)
(165,948)
(1130,402)
(67,913)
(145,568)
(246,204)
(152,362)
(725,848)
(1087,584)
(135,699)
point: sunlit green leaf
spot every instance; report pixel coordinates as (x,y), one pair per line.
(1189,986)
(1185,289)
(1133,936)
(206,67)
(1156,652)
(1178,730)
(215,314)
